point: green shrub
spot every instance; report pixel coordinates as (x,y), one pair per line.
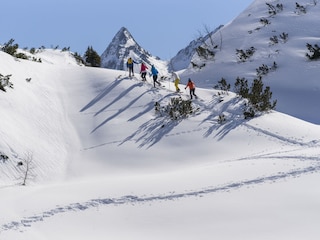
(92,58)
(314,51)
(265,69)
(300,9)
(223,86)
(33,50)
(4,82)
(3,157)
(241,87)
(176,109)
(244,55)
(205,52)
(259,98)
(10,48)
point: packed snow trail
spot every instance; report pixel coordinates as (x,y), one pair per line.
(19,225)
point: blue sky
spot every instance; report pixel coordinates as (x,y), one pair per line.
(161,27)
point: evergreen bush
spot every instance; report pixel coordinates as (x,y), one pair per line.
(3,157)
(221,119)
(10,48)
(265,69)
(300,9)
(241,87)
(4,82)
(314,51)
(78,58)
(259,98)
(244,55)
(205,52)
(176,109)
(92,58)
(273,10)
(223,85)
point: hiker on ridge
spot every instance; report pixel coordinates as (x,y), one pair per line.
(154,74)
(130,63)
(176,80)
(192,88)
(143,71)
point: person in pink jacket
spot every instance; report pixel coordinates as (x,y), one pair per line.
(143,71)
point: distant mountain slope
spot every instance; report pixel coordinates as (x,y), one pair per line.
(278,37)
(183,58)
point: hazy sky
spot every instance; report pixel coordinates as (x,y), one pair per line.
(162,27)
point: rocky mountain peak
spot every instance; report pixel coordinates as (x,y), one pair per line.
(123,46)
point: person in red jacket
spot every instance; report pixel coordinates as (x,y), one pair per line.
(143,71)
(192,88)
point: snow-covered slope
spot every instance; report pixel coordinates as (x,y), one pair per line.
(184,57)
(294,83)
(102,157)
(106,166)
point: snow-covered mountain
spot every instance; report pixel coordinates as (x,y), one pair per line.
(278,31)
(184,57)
(101,163)
(123,46)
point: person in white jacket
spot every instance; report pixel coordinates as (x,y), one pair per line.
(176,80)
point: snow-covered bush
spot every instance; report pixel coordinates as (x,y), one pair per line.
(205,52)
(258,97)
(314,51)
(5,82)
(223,86)
(264,21)
(284,37)
(244,55)
(32,50)
(10,48)
(3,157)
(241,87)
(221,118)
(265,69)
(176,109)
(78,58)
(300,9)
(275,39)
(273,10)
(194,65)
(21,55)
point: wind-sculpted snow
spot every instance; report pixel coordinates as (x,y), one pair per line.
(133,199)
